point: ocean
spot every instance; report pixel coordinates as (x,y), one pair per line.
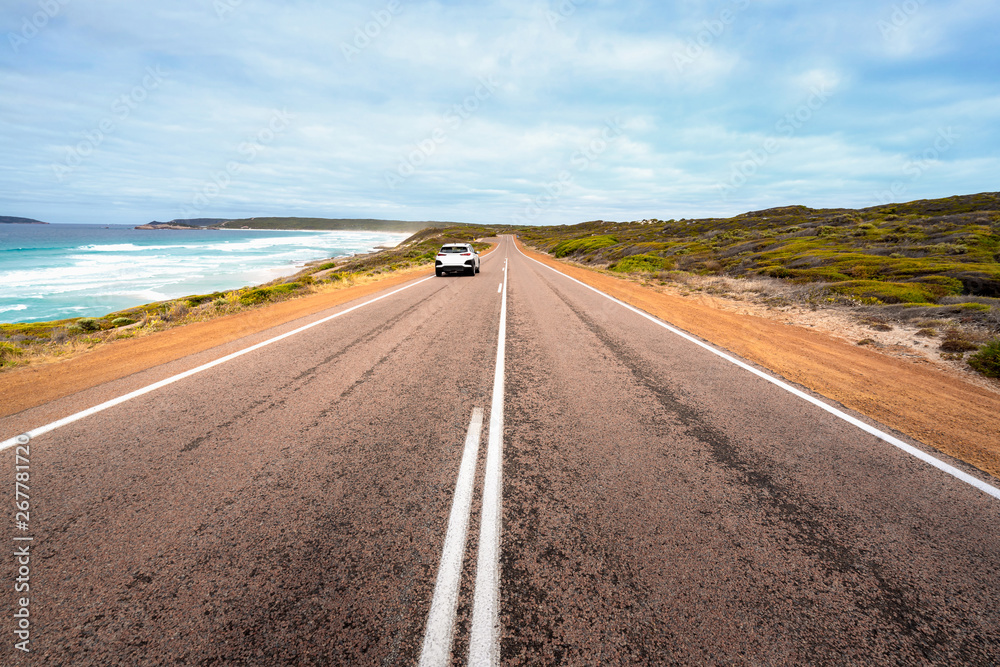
(52,272)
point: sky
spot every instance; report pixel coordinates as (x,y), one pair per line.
(496,111)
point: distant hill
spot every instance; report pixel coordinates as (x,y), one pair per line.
(335,224)
(10,220)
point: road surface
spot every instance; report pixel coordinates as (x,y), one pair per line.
(638,500)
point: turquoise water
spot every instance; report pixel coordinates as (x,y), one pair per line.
(51,272)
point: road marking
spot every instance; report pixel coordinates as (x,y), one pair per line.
(484,640)
(896,442)
(499,288)
(34,433)
(441,619)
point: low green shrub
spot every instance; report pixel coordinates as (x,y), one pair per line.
(198,299)
(262,294)
(255,296)
(884,292)
(641,263)
(88,324)
(284,289)
(945,285)
(121,322)
(979,307)
(586,244)
(987,360)
(821,274)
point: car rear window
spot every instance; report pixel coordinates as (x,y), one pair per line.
(454,248)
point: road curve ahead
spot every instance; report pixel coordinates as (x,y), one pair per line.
(505,469)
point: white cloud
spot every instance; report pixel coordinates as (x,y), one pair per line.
(684,122)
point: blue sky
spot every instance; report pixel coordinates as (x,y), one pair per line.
(499,112)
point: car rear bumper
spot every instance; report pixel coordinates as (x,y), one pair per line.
(454,267)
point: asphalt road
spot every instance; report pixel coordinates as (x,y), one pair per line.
(656,504)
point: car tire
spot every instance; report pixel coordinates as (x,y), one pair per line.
(438,272)
(477,268)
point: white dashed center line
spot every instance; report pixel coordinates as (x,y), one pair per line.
(484,642)
(484,639)
(441,620)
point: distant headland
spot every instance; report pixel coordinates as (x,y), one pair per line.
(11,220)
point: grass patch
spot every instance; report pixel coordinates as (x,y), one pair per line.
(9,352)
(987,360)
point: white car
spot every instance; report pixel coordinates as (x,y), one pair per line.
(456,258)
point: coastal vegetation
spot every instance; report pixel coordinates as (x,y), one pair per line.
(929,264)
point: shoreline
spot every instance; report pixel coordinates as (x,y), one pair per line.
(255,277)
(37,344)
(27,391)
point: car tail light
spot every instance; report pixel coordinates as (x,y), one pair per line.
(466,254)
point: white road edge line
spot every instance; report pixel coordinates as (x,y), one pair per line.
(896,442)
(484,638)
(34,433)
(441,619)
